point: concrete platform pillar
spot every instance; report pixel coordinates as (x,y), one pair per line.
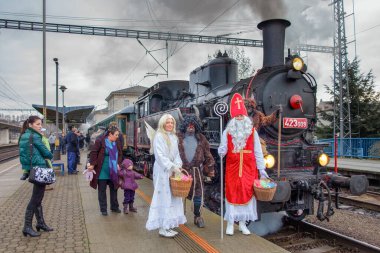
(4,136)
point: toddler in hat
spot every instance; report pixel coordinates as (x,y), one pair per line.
(127,182)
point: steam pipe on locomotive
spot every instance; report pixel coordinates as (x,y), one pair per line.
(304,176)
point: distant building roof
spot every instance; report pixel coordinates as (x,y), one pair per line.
(325,106)
(73,114)
(135,90)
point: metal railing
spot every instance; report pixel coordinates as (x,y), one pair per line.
(360,147)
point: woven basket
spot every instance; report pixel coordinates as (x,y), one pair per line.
(264,194)
(180,188)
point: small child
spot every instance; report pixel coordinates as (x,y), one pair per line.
(127,182)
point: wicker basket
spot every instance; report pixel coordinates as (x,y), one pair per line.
(180,188)
(264,194)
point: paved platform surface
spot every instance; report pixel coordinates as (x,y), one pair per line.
(62,210)
(364,165)
(71,208)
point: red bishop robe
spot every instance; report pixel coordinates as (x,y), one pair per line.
(241,171)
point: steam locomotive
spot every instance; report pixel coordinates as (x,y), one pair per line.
(285,87)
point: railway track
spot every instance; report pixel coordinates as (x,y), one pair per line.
(8,152)
(369,200)
(303,237)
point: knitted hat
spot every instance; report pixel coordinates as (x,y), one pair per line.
(126,163)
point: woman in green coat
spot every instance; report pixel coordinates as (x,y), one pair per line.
(31,133)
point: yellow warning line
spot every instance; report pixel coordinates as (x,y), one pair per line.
(196,238)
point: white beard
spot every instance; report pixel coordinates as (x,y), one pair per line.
(239,130)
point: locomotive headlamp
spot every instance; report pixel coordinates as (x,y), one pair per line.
(323,159)
(269,161)
(297,63)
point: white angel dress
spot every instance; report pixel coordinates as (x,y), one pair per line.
(166,211)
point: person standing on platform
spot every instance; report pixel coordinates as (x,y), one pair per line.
(244,159)
(77,133)
(120,140)
(197,159)
(127,182)
(105,159)
(72,150)
(166,211)
(87,139)
(45,141)
(52,142)
(33,153)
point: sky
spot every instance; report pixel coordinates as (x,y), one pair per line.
(93,66)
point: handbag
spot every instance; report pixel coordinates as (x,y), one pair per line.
(39,175)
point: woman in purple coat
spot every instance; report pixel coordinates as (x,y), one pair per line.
(127,182)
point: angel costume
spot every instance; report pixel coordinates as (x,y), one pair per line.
(166,211)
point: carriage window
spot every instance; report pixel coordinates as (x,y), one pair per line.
(141,110)
(146,107)
(155,104)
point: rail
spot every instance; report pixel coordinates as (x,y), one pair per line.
(8,152)
(338,240)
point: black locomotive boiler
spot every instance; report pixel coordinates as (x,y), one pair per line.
(282,86)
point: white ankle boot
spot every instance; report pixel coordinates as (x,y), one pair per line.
(243,228)
(230,228)
(165,233)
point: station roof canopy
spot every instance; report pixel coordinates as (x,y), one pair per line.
(73,114)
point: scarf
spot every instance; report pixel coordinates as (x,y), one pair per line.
(113,155)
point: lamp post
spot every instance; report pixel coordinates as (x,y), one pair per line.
(63,89)
(57,155)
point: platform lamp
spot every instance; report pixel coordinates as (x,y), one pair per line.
(63,89)
(57,152)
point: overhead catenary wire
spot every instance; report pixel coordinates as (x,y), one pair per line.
(7,86)
(210,23)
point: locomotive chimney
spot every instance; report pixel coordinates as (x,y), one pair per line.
(273,39)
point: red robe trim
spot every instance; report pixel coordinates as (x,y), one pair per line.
(241,171)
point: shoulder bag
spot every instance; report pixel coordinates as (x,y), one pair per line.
(39,175)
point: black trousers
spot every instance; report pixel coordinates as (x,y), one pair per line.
(102,196)
(37,196)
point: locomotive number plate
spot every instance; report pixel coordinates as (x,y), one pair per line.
(294,123)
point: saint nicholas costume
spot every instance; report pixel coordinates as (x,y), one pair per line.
(243,164)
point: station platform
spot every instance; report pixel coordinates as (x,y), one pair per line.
(71,208)
(346,166)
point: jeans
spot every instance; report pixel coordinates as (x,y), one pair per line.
(71,162)
(102,196)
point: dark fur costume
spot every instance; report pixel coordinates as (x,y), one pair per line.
(202,156)
(259,119)
(190,118)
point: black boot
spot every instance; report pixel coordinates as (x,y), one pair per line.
(24,176)
(40,221)
(28,229)
(132,208)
